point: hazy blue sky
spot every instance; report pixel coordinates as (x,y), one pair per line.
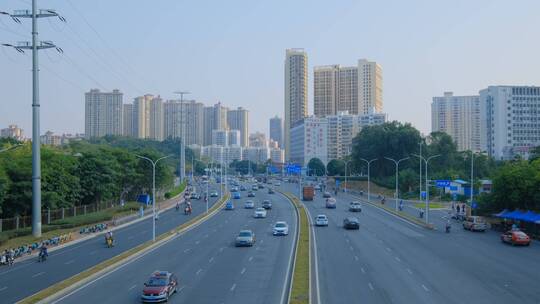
(233,51)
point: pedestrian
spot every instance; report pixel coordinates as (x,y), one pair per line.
(457,209)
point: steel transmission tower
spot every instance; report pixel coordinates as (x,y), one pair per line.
(182,136)
(35,46)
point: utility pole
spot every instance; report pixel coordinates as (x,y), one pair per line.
(35,46)
(182,136)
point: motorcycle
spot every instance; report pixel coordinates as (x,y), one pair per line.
(42,257)
(109,241)
(187,210)
(421,215)
(177,207)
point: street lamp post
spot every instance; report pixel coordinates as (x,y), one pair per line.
(426,161)
(396,195)
(154,163)
(346,165)
(368,179)
(472,180)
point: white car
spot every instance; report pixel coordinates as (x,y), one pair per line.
(249,205)
(321,220)
(280,228)
(278,184)
(259,213)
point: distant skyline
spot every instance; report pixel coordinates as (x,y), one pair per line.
(234,53)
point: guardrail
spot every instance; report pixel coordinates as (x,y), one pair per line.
(55,291)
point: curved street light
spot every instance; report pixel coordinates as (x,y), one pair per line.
(368,162)
(426,161)
(396,195)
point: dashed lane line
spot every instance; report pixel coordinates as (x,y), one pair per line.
(250,258)
(38,274)
(132,287)
(425,288)
(409,271)
(363,270)
(371,287)
(243,270)
(198,272)
(233,287)
(69,262)
(3,288)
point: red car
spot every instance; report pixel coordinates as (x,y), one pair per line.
(516,237)
(160,286)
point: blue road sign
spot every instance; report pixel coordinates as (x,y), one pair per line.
(453,188)
(293,168)
(337,182)
(474,205)
(442,183)
(423,193)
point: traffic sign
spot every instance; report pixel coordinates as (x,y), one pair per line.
(442,183)
(337,183)
(454,196)
(423,194)
(474,205)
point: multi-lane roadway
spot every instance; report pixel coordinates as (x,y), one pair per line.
(209,267)
(389,260)
(28,277)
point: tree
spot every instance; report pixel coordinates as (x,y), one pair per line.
(316,167)
(336,167)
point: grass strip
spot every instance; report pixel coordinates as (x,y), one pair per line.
(431,205)
(58,287)
(300,283)
(403,215)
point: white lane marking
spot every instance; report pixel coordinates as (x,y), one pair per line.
(261,241)
(221,249)
(388,249)
(370,286)
(350,247)
(38,274)
(250,258)
(257,248)
(197,242)
(69,262)
(409,271)
(356,258)
(93,252)
(233,287)
(243,270)
(425,288)
(3,288)
(132,287)
(398,259)
(206,235)
(363,270)
(187,250)
(347,240)
(198,272)
(211,260)
(316,258)
(181,288)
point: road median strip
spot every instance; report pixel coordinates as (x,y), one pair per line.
(300,290)
(55,291)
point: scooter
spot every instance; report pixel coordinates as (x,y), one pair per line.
(187,210)
(109,242)
(42,257)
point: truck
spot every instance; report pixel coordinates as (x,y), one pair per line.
(308,193)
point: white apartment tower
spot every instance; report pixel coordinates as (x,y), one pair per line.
(103,113)
(357,90)
(184,118)
(215,118)
(296,91)
(510,120)
(459,117)
(239,120)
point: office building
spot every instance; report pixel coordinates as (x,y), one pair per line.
(103,113)
(12,131)
(184,118)
(357,90)
(510,120)
(239,120)
(276,130)
(296,92)
(309,139)
(459,117)
(257,139)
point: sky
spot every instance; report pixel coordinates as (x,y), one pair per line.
(233,51)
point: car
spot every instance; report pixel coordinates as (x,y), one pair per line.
(249,205)
(251,194)
(327,194)
(351,223)
(516,237)
(355,206)
(331,203)
(254,188)
(317,187)
(475,223)
(321,220)
(229,206)
(259,213)
(243,188)
(159,287)
(196,196)
(236,195)
(245,238)
(280,228)
(235,189)
(266,204)
(271,191)
(213,194)
(260,185)
(277,184)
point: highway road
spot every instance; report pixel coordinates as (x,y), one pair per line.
(28,277)
(209,267)
(390,260)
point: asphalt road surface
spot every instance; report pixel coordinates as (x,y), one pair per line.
(28,277)
(209,267)
(392,261)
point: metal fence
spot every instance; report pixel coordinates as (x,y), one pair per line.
(49,216)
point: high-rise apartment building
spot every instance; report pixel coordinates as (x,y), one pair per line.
(357,90)
(276,130)
(156,119)
(258,139)
(239,120)
(103,113)
(459,117)
(220,137)
(510,120)
(141,116)
(234,138)
(184,118)
(12,131)
(215,118)
(309,139)
(296,91)
(128,120)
